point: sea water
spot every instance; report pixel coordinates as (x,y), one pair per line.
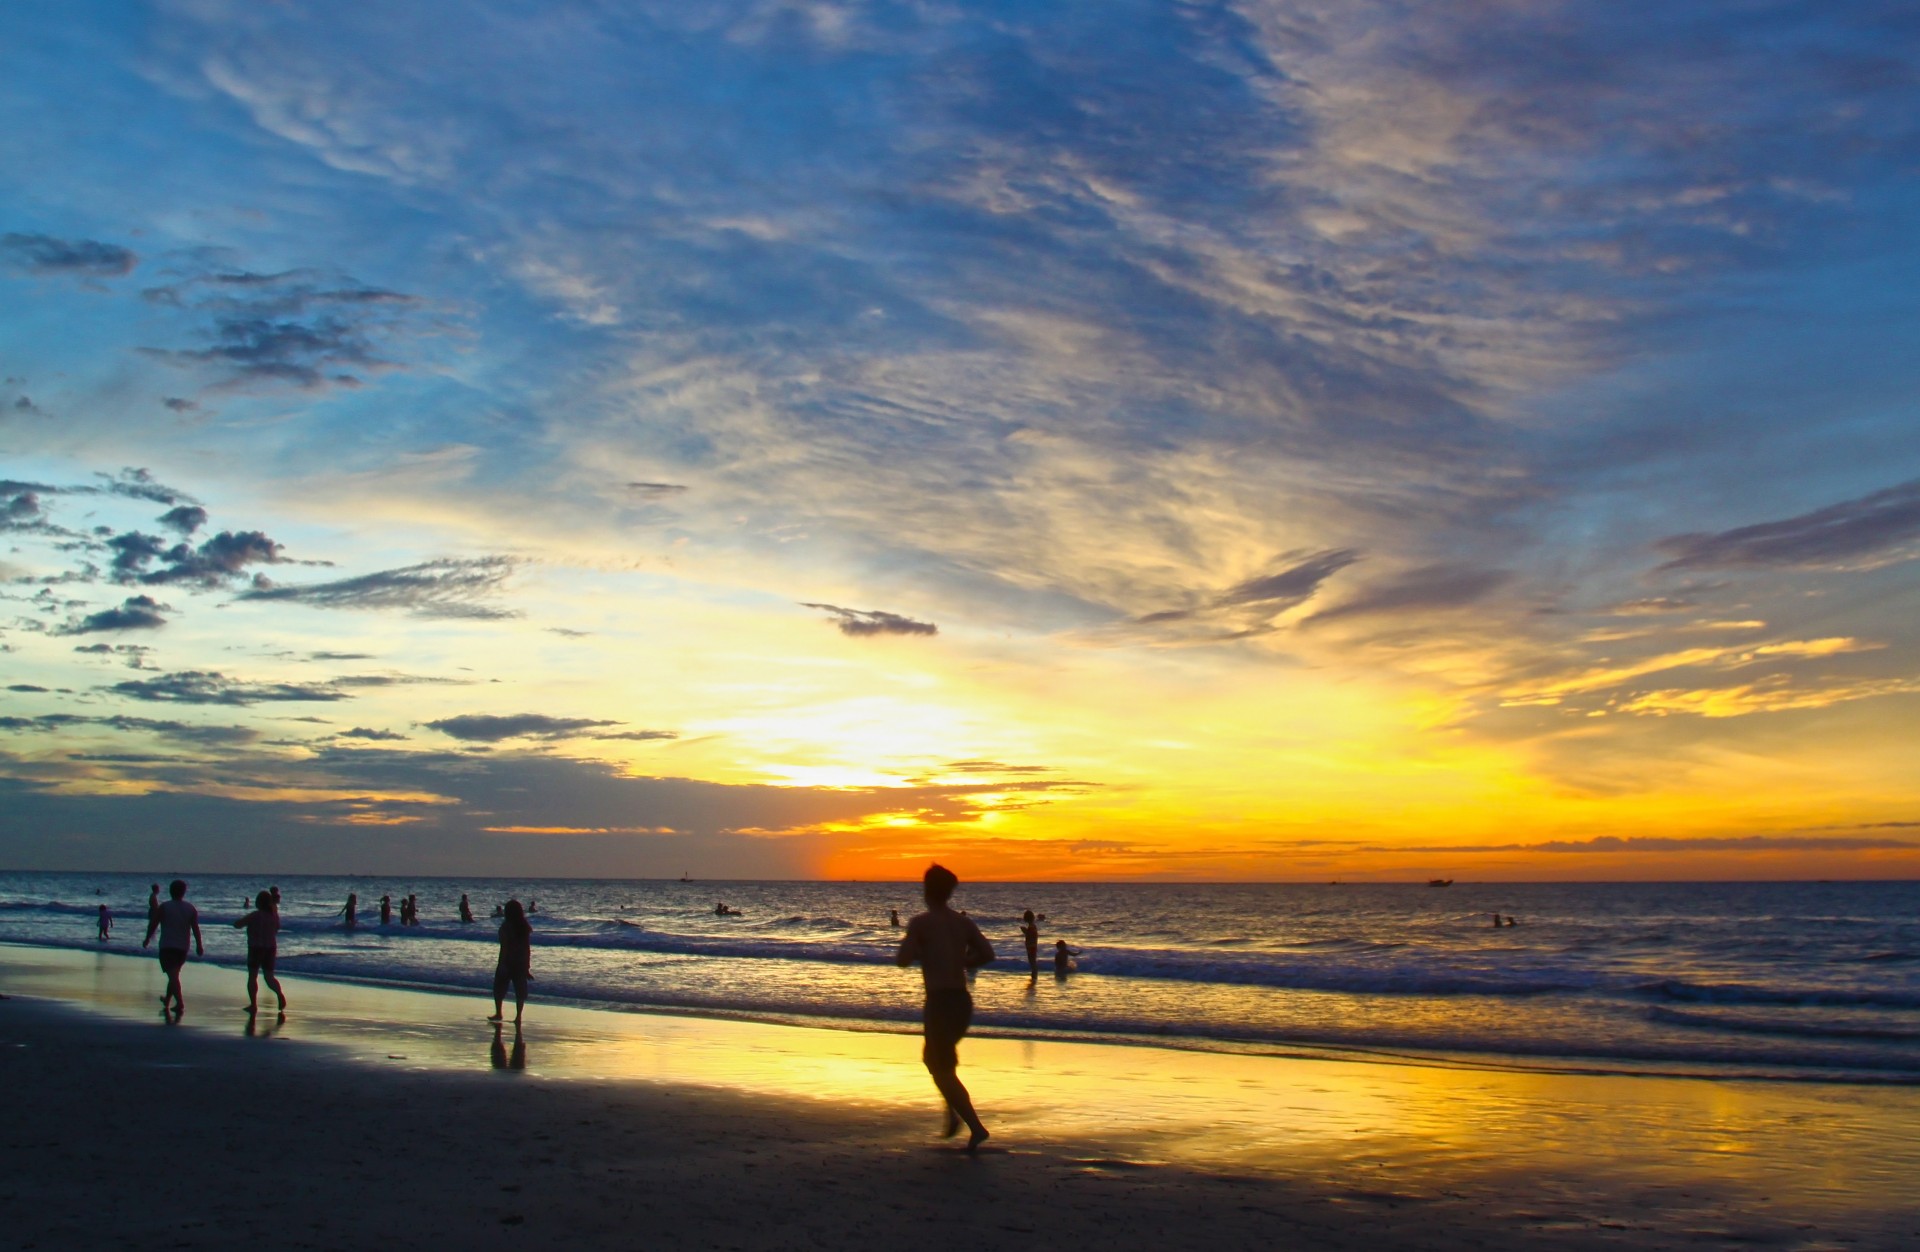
(1770,980)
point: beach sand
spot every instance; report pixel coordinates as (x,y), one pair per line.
(377,1116)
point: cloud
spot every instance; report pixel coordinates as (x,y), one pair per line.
(993,767)
(214,563)
(448,588)
(299,328)
(21,508)
(24,687)
(863,623)
(1664,844)
(657,489)
(1419,591)
(1874,529)
(212,687)
(185,518)
(134,613)
(139,484)
(181,732)
(86,258)
(365,732)
(642,736)
(487,728)
(1255,602)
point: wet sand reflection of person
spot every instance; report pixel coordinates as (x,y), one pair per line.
(501,1059)
(515,965)
(948,947)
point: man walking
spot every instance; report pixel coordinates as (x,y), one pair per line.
(175,919)
(947,945)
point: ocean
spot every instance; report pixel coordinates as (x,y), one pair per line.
(1813,981)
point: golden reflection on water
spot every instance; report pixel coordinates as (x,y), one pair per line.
(1822,1143)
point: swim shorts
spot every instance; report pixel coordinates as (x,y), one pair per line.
(171,959)
(949,1012)
(259,959)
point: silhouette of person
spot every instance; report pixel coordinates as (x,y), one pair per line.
(263,944)
(386,910)
(351,910)
(1030,935)
(466,910)
(413,910)
(948,946)
(106,923)
(175,919)
(1063,958)
(515,965)
(275,893)
(153,901)
(893,915)
(533,905)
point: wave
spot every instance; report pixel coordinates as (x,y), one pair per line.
(1798,997)
(1792,1028)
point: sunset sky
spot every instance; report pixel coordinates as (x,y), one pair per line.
(1183,440)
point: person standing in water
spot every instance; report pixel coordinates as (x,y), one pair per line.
(106,923)
(947,946)
(351,910)
(515,965)
(466,910)
(1030,935)
(263,945)
(386,910)
(175,919)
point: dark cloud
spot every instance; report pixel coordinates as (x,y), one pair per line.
(1852,532)
(185,518)
(1420,590)
(211,687)
(487,728)
(139,484)
(180,732)
(23,687)
(134,654)
(22,507)
(645,736)
(299,328)
(367,732)
(134,613)
(339,656)
(861,623)
(993,767)
(86,258)
(216,562)
(657,489)
(1269,594)
(180,404)
(448,588)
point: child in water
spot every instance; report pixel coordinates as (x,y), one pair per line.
(1063,962)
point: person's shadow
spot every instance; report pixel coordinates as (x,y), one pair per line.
(254,1029)
(501,1058)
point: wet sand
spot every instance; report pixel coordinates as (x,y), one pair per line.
(377,1115)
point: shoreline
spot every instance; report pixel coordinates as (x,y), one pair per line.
(1530,1158)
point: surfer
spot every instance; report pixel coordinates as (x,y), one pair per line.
(948,947)
(515,965)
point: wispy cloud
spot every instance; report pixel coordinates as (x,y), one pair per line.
(447,588)
(1871,530)
(85,258)
(492,728)
(865,623)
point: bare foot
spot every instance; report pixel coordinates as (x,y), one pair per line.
(493,1017)
(977,1138)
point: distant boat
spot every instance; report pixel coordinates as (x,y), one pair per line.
(1439,882)
(684,878)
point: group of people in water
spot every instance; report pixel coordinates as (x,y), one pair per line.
(409,909)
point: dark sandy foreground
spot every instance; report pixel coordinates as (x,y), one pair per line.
(129,1134)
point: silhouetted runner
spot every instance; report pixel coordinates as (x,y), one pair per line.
(263,946)
(175,919)
(947,945)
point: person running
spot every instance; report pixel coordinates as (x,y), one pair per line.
(466,910)
(175,919)
(1030,935)
(947,946)
(263,943)
(515,965)
(106,923)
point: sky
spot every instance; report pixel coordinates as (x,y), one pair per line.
(1262,440)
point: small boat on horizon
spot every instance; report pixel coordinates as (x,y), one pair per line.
(1439,882)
